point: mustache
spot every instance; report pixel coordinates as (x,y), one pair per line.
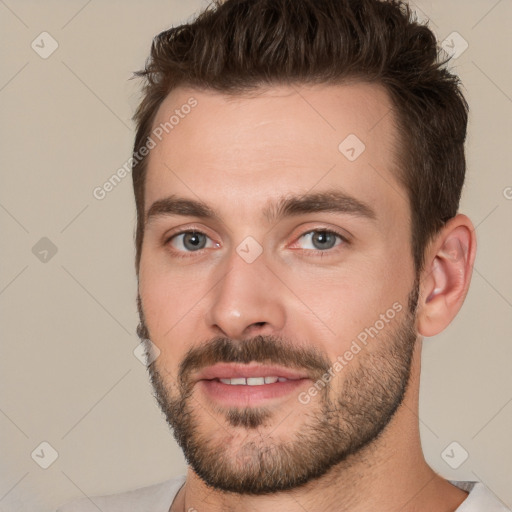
(260,349)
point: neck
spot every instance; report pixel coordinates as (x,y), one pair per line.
(388,474)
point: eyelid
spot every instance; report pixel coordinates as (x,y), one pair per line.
(342,233)
(169,235)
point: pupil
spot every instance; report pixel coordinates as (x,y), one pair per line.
(194,239)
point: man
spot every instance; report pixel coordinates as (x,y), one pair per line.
(297,172)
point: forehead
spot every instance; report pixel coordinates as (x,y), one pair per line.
(274,141)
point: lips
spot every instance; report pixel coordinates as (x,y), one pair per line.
(242,385)
(251,374)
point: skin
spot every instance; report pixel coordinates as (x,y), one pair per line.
(236,154)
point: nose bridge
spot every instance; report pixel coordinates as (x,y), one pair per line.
(248,297)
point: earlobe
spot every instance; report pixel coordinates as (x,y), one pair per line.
(446,278)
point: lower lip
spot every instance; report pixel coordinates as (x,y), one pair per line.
(231,395)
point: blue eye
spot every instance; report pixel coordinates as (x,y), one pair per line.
(322,240)
(192,241)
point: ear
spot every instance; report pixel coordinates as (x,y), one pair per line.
(445,279)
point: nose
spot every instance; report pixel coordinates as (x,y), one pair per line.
(247,301)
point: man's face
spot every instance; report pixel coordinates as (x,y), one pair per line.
(322,298)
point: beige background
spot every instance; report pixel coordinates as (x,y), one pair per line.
(69,375)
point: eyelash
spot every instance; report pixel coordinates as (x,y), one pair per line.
(314,253)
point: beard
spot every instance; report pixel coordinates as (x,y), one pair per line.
(332,427)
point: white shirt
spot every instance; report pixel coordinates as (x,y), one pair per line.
(159,497)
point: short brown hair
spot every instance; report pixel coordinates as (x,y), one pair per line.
(237,46)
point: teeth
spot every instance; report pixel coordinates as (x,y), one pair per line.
(255,381)
(236,382)
(252,381)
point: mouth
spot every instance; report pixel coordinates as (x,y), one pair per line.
(252,381)
(233,385)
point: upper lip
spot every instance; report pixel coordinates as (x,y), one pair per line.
(232,371)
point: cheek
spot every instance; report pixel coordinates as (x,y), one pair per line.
(342,304)
(168,292)
(168,303)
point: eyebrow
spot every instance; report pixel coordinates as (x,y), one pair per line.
(330,201)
